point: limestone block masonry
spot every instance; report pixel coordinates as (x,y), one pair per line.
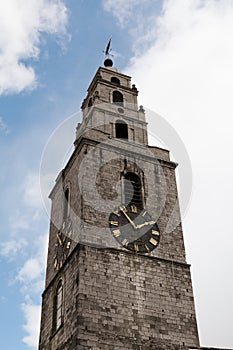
(99,295)
(120,300)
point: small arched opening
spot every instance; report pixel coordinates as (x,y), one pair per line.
(117,98)
(115,80)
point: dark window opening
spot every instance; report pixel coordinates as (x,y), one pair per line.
(121,130)
(117,98)
(115,81)
(58,306)
(66,204)
(133,190)
(90,102)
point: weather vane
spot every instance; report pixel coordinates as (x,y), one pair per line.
(108,49)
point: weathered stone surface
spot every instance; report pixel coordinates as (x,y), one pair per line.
(114,299)
(118,300)
(93,174)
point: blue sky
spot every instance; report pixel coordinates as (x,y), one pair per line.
(180,56)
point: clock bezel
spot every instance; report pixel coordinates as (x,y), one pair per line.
(120,224)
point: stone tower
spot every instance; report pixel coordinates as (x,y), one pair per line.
(117,277)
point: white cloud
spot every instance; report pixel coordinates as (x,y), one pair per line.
(32,324)
(31,270)
(11,248)
(18,222)
(189,66)
(21,24)
(30,201)
(3,126)
(31,277)
(123,10)
(138,17)
(186,76)
(31,189)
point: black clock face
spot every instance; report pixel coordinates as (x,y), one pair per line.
(135,229)
(63,243)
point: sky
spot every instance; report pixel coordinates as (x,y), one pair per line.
(180,56)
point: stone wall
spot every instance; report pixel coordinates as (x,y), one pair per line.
(122,301)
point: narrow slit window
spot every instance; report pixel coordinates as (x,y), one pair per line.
(90,102)
(58,306)
(121,130)
(66,204)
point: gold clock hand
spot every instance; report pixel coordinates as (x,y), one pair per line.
(127,217)
(145,224)
(59,239)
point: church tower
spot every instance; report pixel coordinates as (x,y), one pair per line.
(117,277)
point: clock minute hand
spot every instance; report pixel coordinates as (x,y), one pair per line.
(59,239)
(145,224)
(127,217)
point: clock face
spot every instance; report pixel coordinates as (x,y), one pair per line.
(135,229)
(63,243)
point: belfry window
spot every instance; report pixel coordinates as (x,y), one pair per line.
(117,98)
(58,306)
(133,190)
(66,204)
(121,130)
(115,80)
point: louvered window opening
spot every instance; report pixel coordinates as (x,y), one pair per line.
(118,98)
(133,190)
(59,306)
(121,130)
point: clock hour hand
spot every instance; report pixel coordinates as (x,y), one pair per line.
(123,209)
(145,224)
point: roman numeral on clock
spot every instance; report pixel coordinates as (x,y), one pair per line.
(125,242)
(114,223)
(154,232)
(136,247)
(116,233)
(134,208)
(153,241)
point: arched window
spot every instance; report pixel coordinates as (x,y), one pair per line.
(117,98)
(133,190)
(121,130)
(58,306)
(66,206)
(115,80)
